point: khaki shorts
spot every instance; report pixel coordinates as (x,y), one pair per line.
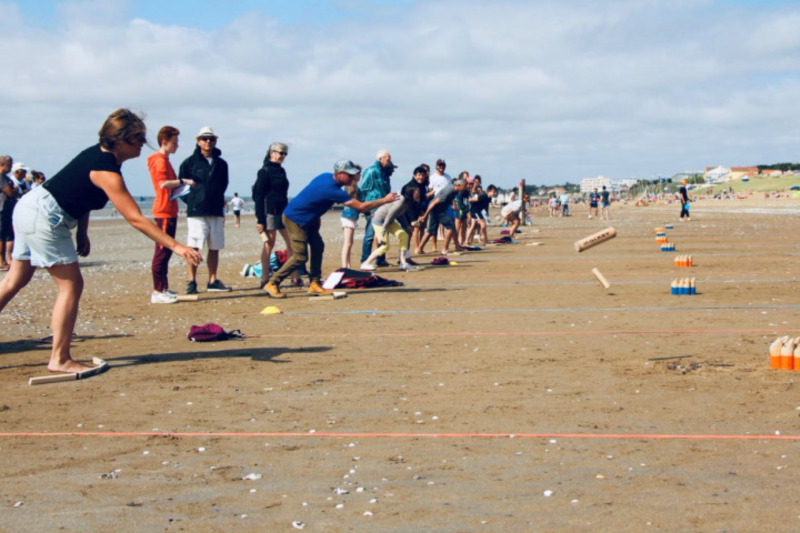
(206,231)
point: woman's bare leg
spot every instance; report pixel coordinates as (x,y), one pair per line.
(18,276)
(347,246)
(65,314)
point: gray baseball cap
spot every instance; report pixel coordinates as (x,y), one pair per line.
(345,165)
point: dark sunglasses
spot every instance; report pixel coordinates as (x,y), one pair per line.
(282,153)
(208,139)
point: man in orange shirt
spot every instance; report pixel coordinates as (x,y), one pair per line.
(165,210)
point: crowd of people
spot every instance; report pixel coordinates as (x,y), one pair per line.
(37,221)
(16,180)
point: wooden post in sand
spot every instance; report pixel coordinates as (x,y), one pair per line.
(595,239)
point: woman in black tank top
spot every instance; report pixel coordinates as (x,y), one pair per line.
(47,214)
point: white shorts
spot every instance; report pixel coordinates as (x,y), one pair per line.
(206,230)
(507,211)
(349,223)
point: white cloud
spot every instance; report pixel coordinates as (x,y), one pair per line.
(550,91)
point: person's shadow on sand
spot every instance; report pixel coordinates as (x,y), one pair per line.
(271,355)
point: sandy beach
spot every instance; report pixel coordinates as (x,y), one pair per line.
(510,392)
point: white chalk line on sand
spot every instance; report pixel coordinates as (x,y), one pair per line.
(548,310)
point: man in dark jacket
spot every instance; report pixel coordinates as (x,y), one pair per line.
(205,206)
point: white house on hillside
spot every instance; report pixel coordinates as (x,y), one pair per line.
(717,174)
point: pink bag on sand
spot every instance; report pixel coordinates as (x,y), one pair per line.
(212,332)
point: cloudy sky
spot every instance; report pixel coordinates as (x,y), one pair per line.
(547,91)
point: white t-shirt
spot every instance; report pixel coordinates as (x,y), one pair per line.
(513,207)
(237,203)
(438,182)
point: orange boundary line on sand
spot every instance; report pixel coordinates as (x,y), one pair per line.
(521,333)
(609,436)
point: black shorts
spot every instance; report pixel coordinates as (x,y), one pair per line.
(439,217)
(6,227)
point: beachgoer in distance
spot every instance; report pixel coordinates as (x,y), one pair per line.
(19,175)
(514,212)
(302,218)
(8,196)
(386,221)
(165,210)
(375,184)
(553,205)
(594,199)
(683,194)
(271,196)
(479,203)
(38,178)
(45,217)
(605,202)
(564,199)
(237,204)
(205,206)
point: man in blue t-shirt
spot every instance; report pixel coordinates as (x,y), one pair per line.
(594,197)
(303,216)
(605,201)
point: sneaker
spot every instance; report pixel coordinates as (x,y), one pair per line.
(163,298)
(273,290)
(409,267)
(246,270)
(217,286)
(411,262)
(173,293)
(315,289)
(369,267)
(382,264)
(191,287)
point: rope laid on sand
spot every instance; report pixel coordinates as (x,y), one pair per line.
(465,334)
(546,310)
(607,436)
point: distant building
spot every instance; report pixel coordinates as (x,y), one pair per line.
(686,175)
(738,173)
(623,185)
(590,184)
(717,174)
(771,173)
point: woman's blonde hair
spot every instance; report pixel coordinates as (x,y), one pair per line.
(352,190)
(121,125)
